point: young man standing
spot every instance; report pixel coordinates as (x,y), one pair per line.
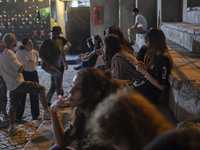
(140,26)
(52,53)
(11,70)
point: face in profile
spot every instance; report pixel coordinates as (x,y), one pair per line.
(76,98)
(29,45)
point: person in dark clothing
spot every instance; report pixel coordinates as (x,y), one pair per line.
(52,53)
(91,59)
(156,67)
(141,53)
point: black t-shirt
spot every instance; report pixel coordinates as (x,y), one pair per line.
(63,39)
(160,70)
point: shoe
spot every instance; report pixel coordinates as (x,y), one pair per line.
(18,121)
(47,115)
(132,43)
(77,68)
(49,103)
(14,131)
(4,124)
(37,118)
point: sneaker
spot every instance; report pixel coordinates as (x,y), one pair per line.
(47,115)
(4,124)
(49,103)
(14,131)
(37,118)
(77,68)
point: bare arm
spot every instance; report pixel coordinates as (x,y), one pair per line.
(64,61)
(62,137)
(142,68)
(21,68)
(135,25)
(67,48)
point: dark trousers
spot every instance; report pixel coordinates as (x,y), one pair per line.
(56,84)
(34,97)
(3,95)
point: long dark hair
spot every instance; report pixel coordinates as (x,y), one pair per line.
(157,42)
(117,31)
(113,46)
(24,43)
(89,40)
(98,38)
(94,80)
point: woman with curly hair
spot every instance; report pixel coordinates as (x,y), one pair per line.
(90,87)
(127,121)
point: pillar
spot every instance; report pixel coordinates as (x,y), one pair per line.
(184,9)
(110,15)
(60,16)
(126,19)
(148,8)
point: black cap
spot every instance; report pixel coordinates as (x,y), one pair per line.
(56,29)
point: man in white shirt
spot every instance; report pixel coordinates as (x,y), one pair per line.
(140,26)
(11,70)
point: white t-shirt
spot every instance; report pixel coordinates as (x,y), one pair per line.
(9,67)
(142,23)
(28,59)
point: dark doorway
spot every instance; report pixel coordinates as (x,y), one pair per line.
(78,28)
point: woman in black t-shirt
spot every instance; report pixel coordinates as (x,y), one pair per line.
(157,65)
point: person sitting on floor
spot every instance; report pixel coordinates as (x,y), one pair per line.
(127,121)
(90,87)
(91,59)
(90,45)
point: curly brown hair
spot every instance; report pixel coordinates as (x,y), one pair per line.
(128,116)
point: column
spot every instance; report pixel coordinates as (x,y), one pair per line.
(60,16)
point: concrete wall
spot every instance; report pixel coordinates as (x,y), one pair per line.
(172,10)
(193,3)
(148,8)
(126,19)
(110,11)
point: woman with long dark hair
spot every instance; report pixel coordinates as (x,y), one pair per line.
(157,65)
(119,61)
(90,87)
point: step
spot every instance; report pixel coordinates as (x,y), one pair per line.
(43,139)
(184,96)
(185,34)
(185,84)
(193,14)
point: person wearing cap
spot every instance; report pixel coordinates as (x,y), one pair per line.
(52,53)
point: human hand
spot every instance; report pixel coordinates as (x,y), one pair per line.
(59,105)
(99,51)
(66,66)
(140,66)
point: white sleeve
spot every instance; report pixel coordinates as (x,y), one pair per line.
(14,62)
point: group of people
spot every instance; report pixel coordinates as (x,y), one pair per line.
(114,107)
(19,76)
